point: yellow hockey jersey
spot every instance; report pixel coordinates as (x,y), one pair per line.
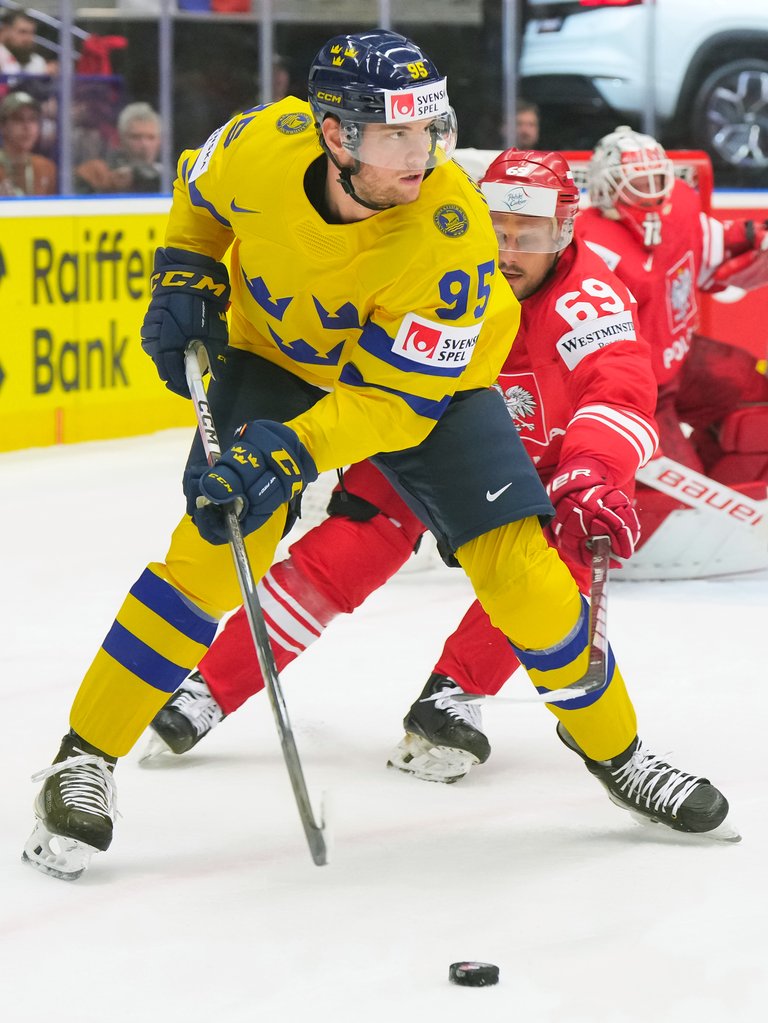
(385,312)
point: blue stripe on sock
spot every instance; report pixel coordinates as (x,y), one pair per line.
(566,651)
(160,597)
(585,701)
(144,662)
(563,654)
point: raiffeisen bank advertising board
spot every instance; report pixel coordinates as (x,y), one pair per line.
(74,287)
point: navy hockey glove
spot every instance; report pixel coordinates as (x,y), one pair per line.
(190,294)
(587,504)
(265,467)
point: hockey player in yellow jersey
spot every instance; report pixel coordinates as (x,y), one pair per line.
(368,318)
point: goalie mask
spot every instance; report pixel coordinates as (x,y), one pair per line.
(389,99)
(630,177)
(533,200)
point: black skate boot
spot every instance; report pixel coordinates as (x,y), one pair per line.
(443,737)
(75,810)
(186,718)
(654,792)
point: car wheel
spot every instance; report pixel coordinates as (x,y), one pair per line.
(730,114)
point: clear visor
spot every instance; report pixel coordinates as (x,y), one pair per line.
(516,233)
(415,146)
(646,185)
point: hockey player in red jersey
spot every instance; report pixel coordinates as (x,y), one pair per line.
(651,230)
(579,386)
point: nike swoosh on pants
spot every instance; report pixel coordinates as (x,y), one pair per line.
(492,497)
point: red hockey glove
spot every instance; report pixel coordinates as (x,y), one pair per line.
(747,271)
(744,236)
(746,245)
(587,504)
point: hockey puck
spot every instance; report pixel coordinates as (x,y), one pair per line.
(473,974)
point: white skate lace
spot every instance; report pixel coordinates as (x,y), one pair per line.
(647,778)
(86,784)
(195,702)
(468,712)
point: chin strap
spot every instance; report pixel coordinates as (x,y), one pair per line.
(345,180)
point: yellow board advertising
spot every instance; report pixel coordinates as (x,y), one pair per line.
(74,287)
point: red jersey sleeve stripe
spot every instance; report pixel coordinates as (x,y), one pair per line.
(637,431)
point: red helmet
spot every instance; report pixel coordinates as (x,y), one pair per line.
(534,183)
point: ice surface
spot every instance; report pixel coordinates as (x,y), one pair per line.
(208,907)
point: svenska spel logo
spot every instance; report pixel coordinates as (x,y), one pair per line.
(422,339)
(438,347)
(401,107)
(451,220)
(293,124)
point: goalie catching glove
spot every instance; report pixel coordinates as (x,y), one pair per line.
(747,267)
(266,467)
(190,294)
(587,504)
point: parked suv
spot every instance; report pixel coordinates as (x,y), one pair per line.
(710,78)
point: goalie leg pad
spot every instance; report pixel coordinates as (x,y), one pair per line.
(743,443)
(652,507)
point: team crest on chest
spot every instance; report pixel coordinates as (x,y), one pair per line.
(522,397)
(293,124)
(681,293)
(451,220)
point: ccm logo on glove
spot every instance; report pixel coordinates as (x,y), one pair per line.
(190,281)
(190,293)
(266,468)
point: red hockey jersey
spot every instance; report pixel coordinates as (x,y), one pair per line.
(578,380)
(664,278)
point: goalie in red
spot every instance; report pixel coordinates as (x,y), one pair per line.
(579,386)
(652,231)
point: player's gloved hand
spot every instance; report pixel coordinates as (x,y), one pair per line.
(747,271)
(190,294)
(265,467)
(587,504)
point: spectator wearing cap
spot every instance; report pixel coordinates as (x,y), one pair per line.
(17,50)
(135,165)
(23,172)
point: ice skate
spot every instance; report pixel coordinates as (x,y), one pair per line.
(186,718)
(443,737)
(75,810)
(654,792)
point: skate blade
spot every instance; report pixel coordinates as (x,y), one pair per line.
(724,832)
(428,762)
(155,747)
(55,855)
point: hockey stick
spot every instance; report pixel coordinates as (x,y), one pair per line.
(596,675)
(698,491)
(195,361)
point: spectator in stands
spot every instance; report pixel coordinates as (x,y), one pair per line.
(23,172)
(17,49)
(527,125)
(135,166)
